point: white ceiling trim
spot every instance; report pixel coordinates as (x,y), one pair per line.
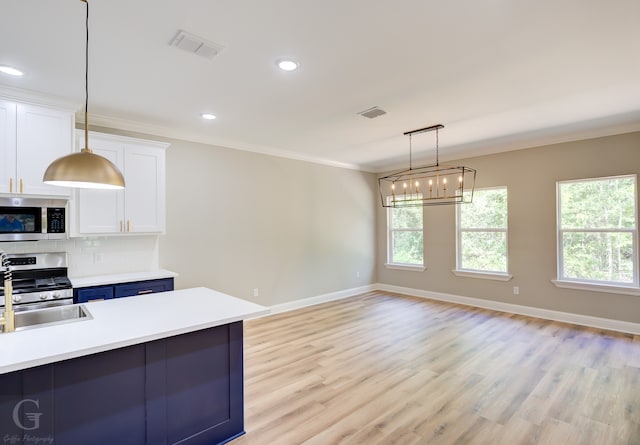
(37,98)
(174,133)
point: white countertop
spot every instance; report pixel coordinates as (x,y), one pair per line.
(122,322)
(98,280)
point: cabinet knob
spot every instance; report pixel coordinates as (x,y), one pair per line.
(10,185)
(128,225)
(21,185)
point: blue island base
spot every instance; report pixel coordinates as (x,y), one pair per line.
(186,389)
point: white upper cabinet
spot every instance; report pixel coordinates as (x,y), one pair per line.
(144,204)
(140,207)
(101,211)
(31,137)
(7,146)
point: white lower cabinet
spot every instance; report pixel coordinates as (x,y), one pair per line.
(140,207)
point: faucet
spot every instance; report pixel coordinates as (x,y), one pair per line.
(7,321)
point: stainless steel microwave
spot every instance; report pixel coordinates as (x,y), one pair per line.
(32,219)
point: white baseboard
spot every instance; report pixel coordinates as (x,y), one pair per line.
(567,317)
(311,301)
(547,314)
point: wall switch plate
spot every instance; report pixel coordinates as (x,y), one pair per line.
(516,290)
(256,292)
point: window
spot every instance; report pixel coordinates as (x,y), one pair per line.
(482,234)
(597,231)
(405,236)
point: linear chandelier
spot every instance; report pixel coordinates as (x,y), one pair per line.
(429,185)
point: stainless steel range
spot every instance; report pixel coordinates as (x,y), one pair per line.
(39,280)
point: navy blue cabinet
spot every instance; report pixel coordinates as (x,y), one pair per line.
(143,287)
(85,294)
(185,389)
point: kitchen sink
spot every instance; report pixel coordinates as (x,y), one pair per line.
(51,316)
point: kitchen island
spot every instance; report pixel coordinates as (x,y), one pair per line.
(154,369)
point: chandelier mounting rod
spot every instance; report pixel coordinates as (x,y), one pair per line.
(424,130)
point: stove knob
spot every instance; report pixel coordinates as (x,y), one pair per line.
(43,296)
(17,298)
(56,295)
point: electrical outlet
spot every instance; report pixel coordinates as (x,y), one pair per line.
(98,258)
(357,274)
(516,290)
(256,292)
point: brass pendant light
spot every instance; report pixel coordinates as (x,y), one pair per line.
(84,169)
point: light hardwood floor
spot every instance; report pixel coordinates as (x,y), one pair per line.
(389,369)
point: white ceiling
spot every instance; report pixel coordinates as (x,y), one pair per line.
(499,74)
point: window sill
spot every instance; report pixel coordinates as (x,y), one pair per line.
(483,275)
(412,267)
(608,288)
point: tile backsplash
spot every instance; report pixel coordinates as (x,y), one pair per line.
(97,255)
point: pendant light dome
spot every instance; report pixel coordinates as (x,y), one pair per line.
(84,169)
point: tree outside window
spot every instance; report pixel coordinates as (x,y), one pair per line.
(482,232)
(597,230)
(405,236)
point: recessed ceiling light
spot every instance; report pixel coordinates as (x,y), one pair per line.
(10,71)
(287,64)
(208,116)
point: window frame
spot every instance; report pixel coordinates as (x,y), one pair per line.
(390,263)
(585,283)
(479,273)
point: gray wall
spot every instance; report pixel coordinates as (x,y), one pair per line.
(238,220)
(530,176)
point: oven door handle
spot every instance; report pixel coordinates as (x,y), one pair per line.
(41,305)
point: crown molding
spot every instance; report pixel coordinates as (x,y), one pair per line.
(37,98)
(175,133)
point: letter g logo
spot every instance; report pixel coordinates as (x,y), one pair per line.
(32,417)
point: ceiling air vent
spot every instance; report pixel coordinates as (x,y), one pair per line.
(372,112)
(195,45)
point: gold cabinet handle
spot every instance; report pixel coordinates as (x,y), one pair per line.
(128,225)
(10,185)
(148,291)
(20,185)
(121,225)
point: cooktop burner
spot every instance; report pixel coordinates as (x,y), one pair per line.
(23,285)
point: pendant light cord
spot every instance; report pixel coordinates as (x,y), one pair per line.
(437,156)
(86,81)
(410,156)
